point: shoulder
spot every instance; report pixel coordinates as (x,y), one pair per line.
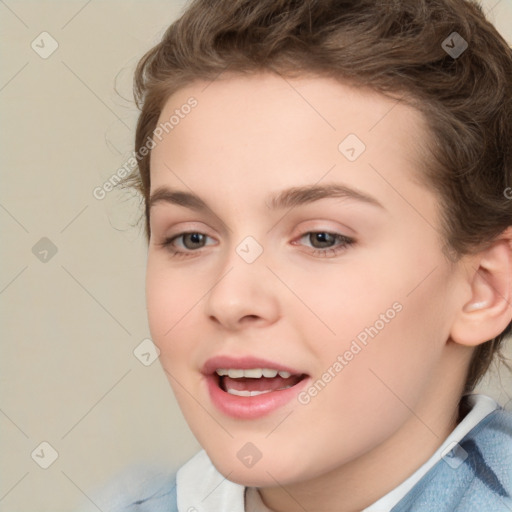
(136,489)
(488,452)
(475,475)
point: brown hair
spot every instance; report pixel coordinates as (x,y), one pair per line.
(391,46)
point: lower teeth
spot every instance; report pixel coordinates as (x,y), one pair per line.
(253,393)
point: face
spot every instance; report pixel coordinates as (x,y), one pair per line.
(344,289)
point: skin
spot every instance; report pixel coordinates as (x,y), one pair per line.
(394,403)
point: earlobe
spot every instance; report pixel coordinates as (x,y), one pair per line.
(488,311)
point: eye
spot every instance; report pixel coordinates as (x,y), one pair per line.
(322,242)
(192,240)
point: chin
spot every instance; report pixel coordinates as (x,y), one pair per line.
(255,477)
(276,469)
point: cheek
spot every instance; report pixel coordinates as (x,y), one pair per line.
(161,303)
(395,355)
(374,393)
(335,300)
(170,310)
(389,339)
(170,304)
(347,310)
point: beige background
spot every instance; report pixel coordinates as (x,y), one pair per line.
(70,325)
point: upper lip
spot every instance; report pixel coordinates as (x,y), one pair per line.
(244,363)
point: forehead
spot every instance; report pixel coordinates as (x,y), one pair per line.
(270,132)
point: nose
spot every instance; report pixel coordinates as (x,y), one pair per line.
(244,294)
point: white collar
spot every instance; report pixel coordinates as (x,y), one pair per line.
(201,488)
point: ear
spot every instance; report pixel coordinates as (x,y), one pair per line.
(489,310)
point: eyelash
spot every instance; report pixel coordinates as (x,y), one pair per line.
(346,242)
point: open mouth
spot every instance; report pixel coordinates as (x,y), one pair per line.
(255,381)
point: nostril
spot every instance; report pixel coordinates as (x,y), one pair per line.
(250,317)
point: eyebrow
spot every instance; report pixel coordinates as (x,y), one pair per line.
(288,198)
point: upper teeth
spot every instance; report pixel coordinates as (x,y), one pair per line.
(254,373)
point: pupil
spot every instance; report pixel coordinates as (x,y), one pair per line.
(195,237)
(323,237)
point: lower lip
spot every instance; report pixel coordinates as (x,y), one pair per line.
(251,407)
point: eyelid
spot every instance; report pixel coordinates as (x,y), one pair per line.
(178,228)
(321,225)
